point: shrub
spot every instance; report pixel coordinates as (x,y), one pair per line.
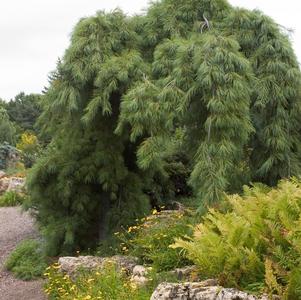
(132,93)
(107,284)
(150,240)
(11,198)
(29,147)
(256,245)
(9,156)
(27,261)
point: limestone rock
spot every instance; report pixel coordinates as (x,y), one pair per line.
(233,294)
(126,263)
(139,276)
(198,291)
(4,183)
(71,265)
(189,273)
(140,271)
(15,184)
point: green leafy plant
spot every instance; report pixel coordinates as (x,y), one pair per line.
(11,198)
(27,261)
(150,239)
(255,244)
(105,284)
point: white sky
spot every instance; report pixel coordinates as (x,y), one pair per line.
(34,33)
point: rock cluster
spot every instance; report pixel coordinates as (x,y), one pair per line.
(15,184)
(206,290)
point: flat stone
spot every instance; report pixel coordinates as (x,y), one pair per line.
(199,291)
(71,265)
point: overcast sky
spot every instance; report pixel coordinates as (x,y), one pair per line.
(34,33)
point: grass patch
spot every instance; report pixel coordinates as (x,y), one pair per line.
(27,261)
(11,198)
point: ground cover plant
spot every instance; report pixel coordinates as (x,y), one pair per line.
(254,246)
(28,260)
(107,284)
(150,238)
(11,198)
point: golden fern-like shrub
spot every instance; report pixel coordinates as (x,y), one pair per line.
(256,245)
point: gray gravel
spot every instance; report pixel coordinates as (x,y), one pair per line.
(16,226)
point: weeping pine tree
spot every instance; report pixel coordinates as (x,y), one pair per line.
(200,78)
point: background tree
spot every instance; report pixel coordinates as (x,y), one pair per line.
(24,110)
(7,129)
(199,77)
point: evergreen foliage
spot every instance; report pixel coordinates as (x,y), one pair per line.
(7,129)
(199,77)
(24,110)
(7,153)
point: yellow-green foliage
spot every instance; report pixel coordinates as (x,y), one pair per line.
(107,284)
(150,239)
(30,148)
(257,244)
(11,198)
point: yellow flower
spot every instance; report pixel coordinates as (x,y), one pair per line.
(133,286)
(87,297)
(56,266)
(90,280)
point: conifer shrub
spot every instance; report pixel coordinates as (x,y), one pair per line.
(28,260)
(255,245)
(8,154)
(218,83)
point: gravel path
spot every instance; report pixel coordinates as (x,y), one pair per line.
(16,226)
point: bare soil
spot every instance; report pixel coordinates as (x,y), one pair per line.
(16,226)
